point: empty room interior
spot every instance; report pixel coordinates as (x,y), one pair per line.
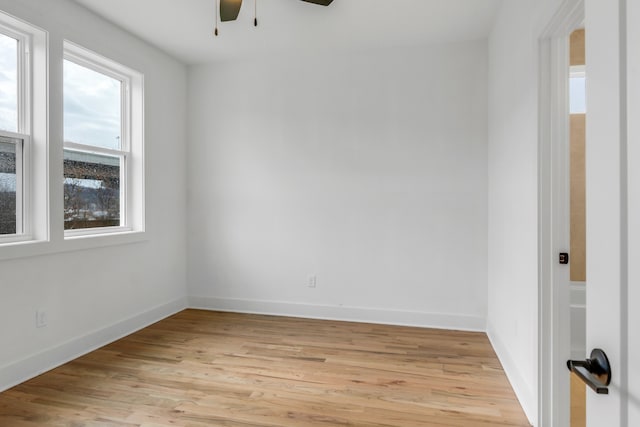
(271,213)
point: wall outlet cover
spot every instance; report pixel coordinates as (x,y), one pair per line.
(41,319)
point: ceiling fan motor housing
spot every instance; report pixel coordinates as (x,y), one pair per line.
(320,2)
(229,9)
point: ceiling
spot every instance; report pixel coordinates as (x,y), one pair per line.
(184,28)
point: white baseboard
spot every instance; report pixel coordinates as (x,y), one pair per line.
(32,366)
(344,313)
(526,396)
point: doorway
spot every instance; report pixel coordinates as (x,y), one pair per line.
(612,205)
(577,219)
(562,297)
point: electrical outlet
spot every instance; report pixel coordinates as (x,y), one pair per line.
(312,280)
(41,319)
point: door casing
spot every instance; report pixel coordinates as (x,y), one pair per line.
(553,213)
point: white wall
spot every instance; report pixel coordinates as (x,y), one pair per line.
(94,295)
(367,169)
(513,193)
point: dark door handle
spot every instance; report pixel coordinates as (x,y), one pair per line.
(595,372)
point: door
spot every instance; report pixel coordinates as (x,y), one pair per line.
(633,168)
(612,205)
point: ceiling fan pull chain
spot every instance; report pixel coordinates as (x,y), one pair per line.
(215,32)
(255,13)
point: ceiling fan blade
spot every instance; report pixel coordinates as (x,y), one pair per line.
(320,2)
(229,10)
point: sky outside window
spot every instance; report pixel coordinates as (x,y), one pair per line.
(8,83)
(92,107)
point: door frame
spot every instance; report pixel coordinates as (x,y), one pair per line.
(553,215)
(631,292)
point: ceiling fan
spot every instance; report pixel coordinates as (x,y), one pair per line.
(229,9)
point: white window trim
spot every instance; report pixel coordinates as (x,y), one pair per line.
(33,218)
(132,213)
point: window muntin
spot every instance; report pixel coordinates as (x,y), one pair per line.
(96,145)
(8,83)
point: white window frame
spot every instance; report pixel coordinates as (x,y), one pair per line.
(31,181)
(131,150)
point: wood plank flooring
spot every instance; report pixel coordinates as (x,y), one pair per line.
(578,402)
(200,368)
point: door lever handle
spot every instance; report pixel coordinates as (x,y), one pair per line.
(595,371)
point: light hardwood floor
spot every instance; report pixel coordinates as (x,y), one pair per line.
(201,368)
(578,402)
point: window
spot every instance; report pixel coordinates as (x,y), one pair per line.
(11,143)
(10,186)
(9,47)
(14,132)
(577,90)
(102,145)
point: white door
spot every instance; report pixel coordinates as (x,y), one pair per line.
(613,211)
(633,184)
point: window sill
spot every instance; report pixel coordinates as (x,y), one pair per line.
(33,248)
(95,232)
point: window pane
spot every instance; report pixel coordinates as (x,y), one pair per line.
(577,95)
(8,83)
(91,190)
(92,107)
(8,185)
